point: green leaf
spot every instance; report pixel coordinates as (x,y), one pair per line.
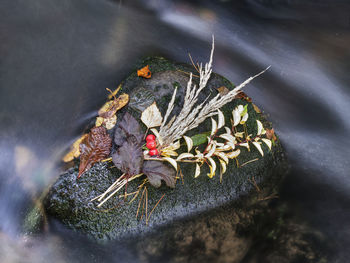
(245,110)
(201,138)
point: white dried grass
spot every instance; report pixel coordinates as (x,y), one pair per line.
(191,115)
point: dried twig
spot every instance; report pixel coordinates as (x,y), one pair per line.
(191,115)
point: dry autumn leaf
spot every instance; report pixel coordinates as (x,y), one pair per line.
(111,107)
(243,96)
(75,152)
(151,116)
(256,108)
(94,148)
(128,137)
(114,93)
(223,90)
(270,134)
(158,171)
(108,123)
(144,72)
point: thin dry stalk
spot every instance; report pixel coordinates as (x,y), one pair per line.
(115,187)
(191,115)
(138,208)
(147,220)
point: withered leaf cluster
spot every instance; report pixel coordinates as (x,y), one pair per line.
(94,148)
(128,137)
(129,156)
(157,171)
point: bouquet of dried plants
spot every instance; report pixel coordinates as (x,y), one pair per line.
(135,158)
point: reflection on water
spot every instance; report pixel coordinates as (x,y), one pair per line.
(57,58)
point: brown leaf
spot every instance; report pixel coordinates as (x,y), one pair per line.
(111,107)
(256,108)
(94,148)
(223,90)
(128,136)
(157,171)
(129,157)
(144,72)
(243,96)
(128,127)
(270,134)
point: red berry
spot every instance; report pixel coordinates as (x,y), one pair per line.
(153,152)
(150,137)
(151,145)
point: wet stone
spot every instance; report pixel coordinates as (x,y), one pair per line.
(245,190)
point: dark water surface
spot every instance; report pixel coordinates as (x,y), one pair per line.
(57,58)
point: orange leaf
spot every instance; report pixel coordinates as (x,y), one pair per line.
(270,134)
(144,72)
(243,96)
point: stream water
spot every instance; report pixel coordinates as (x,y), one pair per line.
(57,58)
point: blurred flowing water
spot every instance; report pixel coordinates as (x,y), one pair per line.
(57,58)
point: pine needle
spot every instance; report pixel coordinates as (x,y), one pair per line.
(154,208)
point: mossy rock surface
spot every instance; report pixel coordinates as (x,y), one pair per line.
(69,198)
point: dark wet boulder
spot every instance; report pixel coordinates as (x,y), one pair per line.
(245,189)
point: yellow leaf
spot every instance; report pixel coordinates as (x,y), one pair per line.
(168,152)
(239,134)
(99,121)
(258,146)
(224,148)
(198,171)
(171,161)
(189,143)
(222,156)
(256,108)
(267,142)
(75,151)
(110,122)
(175,145)
(184,155)
(151,116)
(199,155)
(114,93)
(244,118)
(212,167)
(111,107)
(221,119)
(228,130)
(232,145)
(212,149)
(214,126)
(236,117)
(223,167)
(245,145)
(261,129)
(228,137)
(233,154)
